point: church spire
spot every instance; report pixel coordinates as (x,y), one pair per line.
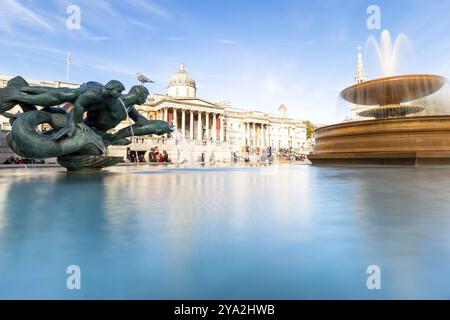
(360,73)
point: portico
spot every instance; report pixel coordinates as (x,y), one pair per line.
(256,133)
(193,119)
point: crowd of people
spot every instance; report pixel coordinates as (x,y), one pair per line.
(14,160)
(156,156)
(17,160)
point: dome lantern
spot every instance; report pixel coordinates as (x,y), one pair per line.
(282,110)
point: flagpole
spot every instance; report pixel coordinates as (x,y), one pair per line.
(68,66)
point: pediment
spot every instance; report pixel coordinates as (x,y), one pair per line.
(190,102)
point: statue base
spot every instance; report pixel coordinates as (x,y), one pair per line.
(83,163)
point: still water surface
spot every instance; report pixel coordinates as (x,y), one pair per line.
(288,232)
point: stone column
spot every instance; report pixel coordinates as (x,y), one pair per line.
(199,126)
(247,129)
(191,125)
(174,117)
(263,144)
(165,114)
(295,139)
(207,126)
(222,129)
(260,135)
(214,128)
(243,133)
(183,123)
(257,135)
(254,135)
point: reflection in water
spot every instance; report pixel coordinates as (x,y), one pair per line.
(276,232)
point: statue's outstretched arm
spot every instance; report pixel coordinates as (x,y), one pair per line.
(38,89)
(47,98)
(136,116)
(148,127)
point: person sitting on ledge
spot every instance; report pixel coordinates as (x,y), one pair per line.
(165,156)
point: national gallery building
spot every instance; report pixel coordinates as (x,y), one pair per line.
(211,130)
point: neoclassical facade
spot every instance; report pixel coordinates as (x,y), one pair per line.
(207,128)
(205,121)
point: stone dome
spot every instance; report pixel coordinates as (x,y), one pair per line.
(182,78)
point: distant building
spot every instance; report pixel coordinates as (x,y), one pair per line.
(209,128)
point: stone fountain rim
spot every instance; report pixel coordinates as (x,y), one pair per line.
(390,79)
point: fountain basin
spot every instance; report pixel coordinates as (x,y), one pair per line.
(420,140)
(388,93)
(391,110)
(393,90)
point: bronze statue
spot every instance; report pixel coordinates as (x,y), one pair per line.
(79,143)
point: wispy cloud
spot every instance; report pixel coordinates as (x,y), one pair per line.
(142,25)
(99,38)
(31,46)
(149,7)
(226,41)
(152,8)
(13,12)
(104,5)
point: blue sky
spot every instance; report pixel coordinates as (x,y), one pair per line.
(255,53)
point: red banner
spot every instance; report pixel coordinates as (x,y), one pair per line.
(218,126)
